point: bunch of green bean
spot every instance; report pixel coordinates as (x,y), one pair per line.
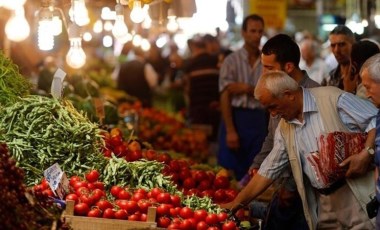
(41,131)
(137,174)
(12,84)
(206,203)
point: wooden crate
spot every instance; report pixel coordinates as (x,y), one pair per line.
(91,223)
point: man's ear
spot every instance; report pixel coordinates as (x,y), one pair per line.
(289,94)
(289,67)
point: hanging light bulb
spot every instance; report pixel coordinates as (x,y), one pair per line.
(119,29)
(172,24)
(137,13)
(17,28)
(147,23)
(12,4)
(98,26)
(75,58)
(45,31)
(78,13)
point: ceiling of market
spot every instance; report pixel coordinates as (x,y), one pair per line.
(27,55)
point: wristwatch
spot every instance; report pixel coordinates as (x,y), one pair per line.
(370,150)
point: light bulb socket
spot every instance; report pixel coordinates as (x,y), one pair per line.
(74,31)
(45,14)
(119,9)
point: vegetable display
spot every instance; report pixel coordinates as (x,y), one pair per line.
(41,131)
(12,84)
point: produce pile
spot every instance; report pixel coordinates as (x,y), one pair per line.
(16,211)
(41,131)
(12,84)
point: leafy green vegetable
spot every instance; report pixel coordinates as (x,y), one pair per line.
(12,84)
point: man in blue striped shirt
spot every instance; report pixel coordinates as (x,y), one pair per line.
(244,122)
(306,114)
(370,74)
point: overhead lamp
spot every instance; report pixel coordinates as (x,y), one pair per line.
(12,4)
(119,30)
(137,13)
(78,13)
(75,58)
(17,28)
(45,34)
(172,24)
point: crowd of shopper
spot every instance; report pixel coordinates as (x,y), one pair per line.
(267,106)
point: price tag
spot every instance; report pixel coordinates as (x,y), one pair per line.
(56,84)
(57,180)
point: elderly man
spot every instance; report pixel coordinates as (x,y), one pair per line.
(307,113)
(370,74)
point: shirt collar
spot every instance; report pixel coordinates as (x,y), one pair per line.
(309,104)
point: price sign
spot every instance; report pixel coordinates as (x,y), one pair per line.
(57,180)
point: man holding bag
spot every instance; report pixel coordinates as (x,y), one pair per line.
(306,113)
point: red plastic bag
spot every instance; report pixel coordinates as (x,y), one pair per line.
(333,149)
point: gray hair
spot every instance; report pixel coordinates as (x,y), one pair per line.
(276,82)
(372,65)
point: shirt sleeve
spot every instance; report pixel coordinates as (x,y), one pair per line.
(227,73)
(277,160)
(151,75)
(358,114)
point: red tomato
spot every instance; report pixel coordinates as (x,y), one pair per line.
(143,217)
(174,212)
(164,198)
(92,176)
(143,205)
(229,225)
(109,213)
(48,192)
(97,194)
(134,155)
(115,190)
(74,179)
(186,213)
(116,140)
(204,184)
(164,158)
(221,182)
(150,154)
(85,198)
(72,196)
(211,219)
(121,214)
(186,224)
(79,184)
(81,209)
(99,185)
(200,175)
(209,193)
(202,225)
(94,213)
(134,217)
(175,200)
(132,207)
(82,190)
(138,196)
(219,196)
(103,204)
(174,226)
(222,216)
(200,214)
(163,209)
(45,184)
(124,195)
(155,192)
(189,183)
(163,222)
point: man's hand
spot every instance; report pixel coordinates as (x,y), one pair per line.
(357,164)
(239,88)
(232,140)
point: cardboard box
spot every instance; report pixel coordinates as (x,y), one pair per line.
(91,223)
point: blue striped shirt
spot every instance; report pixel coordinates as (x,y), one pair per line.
(357,114)
(236,68)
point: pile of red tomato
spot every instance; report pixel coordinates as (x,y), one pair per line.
(123,203)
